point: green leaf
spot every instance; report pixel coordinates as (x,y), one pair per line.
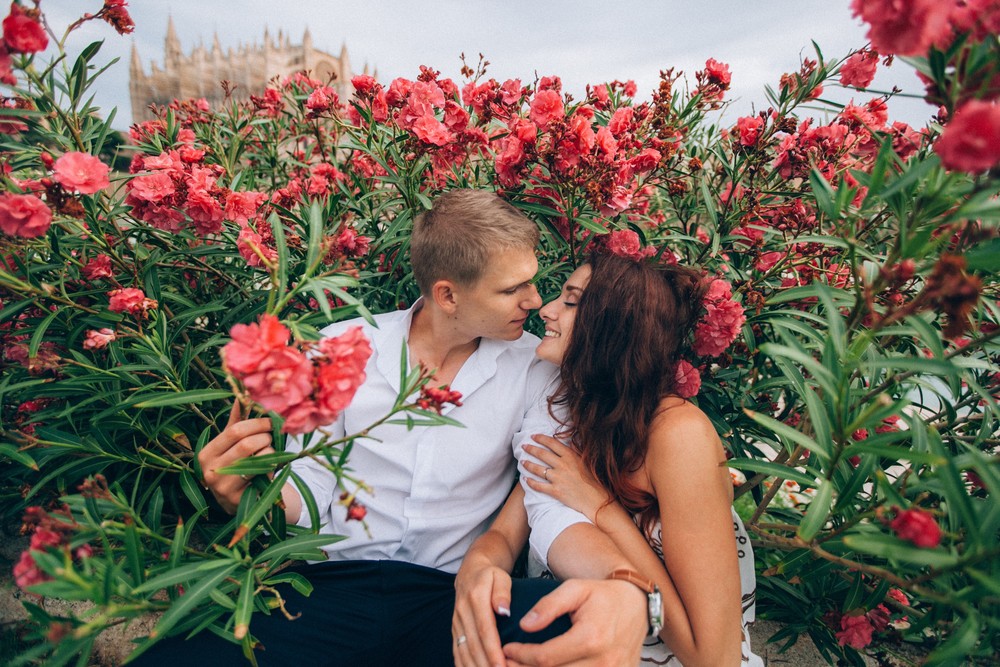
(192,491)
(788,433)
(308,543)
(895,549)
(819,510)
(773,469)
(179,575)
(14,454)
(185,604)
(194,396)
(244,605)
(258,465)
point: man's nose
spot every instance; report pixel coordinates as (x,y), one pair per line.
(534,299)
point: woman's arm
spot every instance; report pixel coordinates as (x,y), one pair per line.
(482,585)
(699,574)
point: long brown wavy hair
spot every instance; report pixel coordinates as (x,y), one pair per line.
(631,322)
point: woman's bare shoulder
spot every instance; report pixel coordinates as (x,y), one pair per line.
(680,426)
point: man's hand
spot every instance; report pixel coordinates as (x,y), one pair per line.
(480,592)
(610,621)
(240,439)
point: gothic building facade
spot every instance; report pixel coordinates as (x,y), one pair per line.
(247,69)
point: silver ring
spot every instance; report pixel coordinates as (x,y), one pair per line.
(461,640)
(546,474)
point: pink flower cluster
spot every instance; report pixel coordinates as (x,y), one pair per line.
(81,172)
(917,526)
(25,216)
(49,531)
(175,189)
(971,139)
(131,300)
(625,243)
(307,384)
(721,323)
(911,28)
(857,627)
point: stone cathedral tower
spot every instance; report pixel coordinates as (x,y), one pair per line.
(247,68)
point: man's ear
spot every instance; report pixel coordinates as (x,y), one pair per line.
(443,294)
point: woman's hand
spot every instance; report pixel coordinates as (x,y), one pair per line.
(481,590)
(563,475)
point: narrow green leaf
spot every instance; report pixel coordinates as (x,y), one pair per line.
(819,510)
(244,605)
(11,452)
(895,549)
(788,433)
(773,469)
(179,575)
(300,544)
(194,396)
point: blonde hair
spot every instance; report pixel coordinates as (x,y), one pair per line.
(464,228)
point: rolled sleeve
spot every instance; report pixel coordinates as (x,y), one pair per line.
(547,516)
(321,482)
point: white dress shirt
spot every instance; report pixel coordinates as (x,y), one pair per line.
(435,489)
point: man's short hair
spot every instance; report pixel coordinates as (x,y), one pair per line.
(456,238)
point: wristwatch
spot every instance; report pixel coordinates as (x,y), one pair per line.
(654,601)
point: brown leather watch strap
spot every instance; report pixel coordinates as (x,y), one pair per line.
(633,577)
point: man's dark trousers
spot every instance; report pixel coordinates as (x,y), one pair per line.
(360,614)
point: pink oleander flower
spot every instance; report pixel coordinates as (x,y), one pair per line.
(252,343)
(81,172)
(859,70)
(99,267)
(98,339)
(917,526)
(26,216)
(117,16)
(22,33)
(343,371)
(749,128)
(718,73)
(432,131)
(251,247)
(719,327)
(27,573)
(687,379)
(153,187)
(241,206)
(322,99)
(625,243)
(547,106)
(855,631)
(718,290)
(971,139)
(621,121)
(130,300)
(204,211)
(352,244)
(905,27)
(282,379)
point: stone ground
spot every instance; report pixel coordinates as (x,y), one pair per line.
(116,644)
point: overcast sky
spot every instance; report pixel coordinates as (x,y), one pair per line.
(581,41)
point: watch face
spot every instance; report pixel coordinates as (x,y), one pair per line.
(655,612)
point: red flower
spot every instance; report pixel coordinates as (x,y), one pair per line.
(282,379)
(251,343)
(27,573)
(971,139)
(152,187)
(98,339)
(26,216)
(432,131)
(352,244)
(435,398)
(624,243)
(241,206)
(117,16)
(917,526)
(720,326)
(322,99)
(81,172)
(546,107)
(687,379)
(130,300)
(905,27)
(859,69)
(855,631)
(252,247)
(99,267)
(749,128)
(718,73)
(343,371)
(22,33)
(204,211)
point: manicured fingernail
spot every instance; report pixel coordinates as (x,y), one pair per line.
(503,611)
(530,617)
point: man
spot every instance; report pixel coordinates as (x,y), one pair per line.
(386,597)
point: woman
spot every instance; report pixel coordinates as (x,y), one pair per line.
(645,466)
